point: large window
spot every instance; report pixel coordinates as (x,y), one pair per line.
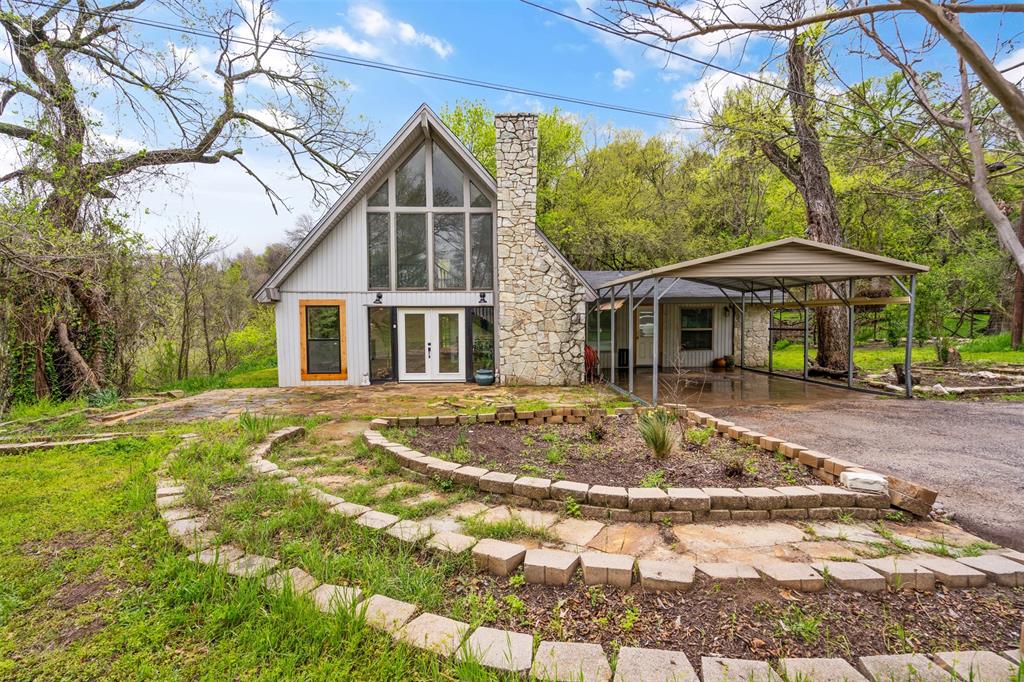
(695,328)
(411,246)
(322,335)
(428,226)
(600,321)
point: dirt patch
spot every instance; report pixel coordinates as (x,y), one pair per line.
(70,633)
(758,621)
(615,456)
(70,596)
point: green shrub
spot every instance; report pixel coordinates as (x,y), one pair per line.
(654,428)
(698,435)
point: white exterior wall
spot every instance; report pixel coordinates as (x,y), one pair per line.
(671,355)
(337,269)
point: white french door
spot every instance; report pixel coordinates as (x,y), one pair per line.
(431,344)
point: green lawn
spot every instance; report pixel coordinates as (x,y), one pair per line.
(880,359)
(91,585)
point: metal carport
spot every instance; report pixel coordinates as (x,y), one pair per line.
(786,268)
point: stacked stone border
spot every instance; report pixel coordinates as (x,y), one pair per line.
(514,652)
(678,505)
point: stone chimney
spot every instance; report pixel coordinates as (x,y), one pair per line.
(541,302)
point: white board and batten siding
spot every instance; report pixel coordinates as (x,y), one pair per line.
(337,270)
(671,353)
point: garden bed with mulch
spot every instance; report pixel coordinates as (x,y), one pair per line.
(756,620)
(610,453)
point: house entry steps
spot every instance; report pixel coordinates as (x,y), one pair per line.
(508,651)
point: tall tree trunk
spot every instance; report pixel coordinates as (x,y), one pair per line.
(183,345)
(81,366)
(1017,326)
(812,179)
(206,332)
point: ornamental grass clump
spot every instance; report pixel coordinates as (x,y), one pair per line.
(654,428)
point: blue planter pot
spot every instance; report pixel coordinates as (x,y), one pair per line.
(484,377)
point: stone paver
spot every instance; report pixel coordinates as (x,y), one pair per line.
(409,531)
(764,498)
(901,573)
(562,490)
(550,566)
(349,510)
(535,518)
(713,669)
(178,514)
(165,491)
(726,498)
(434,633)
(497,482)
(666,576)
(998,568)
(607,569)
(217,556)
(980,666)
(608,496)
(499,649)
(647,499)
(326,498)
(377,520)
(329,598)
(456,543)
(497,556)
(689,499)
(571,662)
(251,566)
(717,570)
(851,575)
(576,531)
(300,581)
(532,487)
(497,514)
(1013,655)
(952,573)
(819,670)
(627,538)
(903,668)
(170,501)
(792,575)
(653,665)
(385,613)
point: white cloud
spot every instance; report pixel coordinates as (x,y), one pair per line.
(338,38)
(1016,60)
(376,24)
(622,77)
(702,97)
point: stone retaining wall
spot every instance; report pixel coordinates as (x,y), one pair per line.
(680,505)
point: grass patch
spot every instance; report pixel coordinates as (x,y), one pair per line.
(503,530)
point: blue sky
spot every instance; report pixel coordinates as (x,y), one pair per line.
(502,41)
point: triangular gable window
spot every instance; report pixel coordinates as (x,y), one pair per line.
(380,197)
(478,199)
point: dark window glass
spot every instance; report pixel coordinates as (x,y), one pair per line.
(381,368)
(415,343)
(695,318)
(323,339)
(478,199)
(600,319)
(449,332)
(380,197)
(483,337)
(696,340)
(411,245)
(447,180)
(449,251)
(481,249)
(378,246)
(696,328)
(411,180)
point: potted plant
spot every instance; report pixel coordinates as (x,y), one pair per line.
(730,362)
(483,357)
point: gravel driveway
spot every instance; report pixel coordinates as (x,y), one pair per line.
(971,452)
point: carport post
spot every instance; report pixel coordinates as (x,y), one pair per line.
(910,338)
(743,329)
(597,342)
(851,318)
(807,320)
(771,323)
(629,360)
(657,333)
(611,302)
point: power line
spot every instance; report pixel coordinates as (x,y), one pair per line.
(654,46)
(405,70)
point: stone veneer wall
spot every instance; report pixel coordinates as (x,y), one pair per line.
(756,336)
(541,303)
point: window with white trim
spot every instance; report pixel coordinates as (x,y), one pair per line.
(696,328)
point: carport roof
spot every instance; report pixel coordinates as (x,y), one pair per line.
(790,262)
